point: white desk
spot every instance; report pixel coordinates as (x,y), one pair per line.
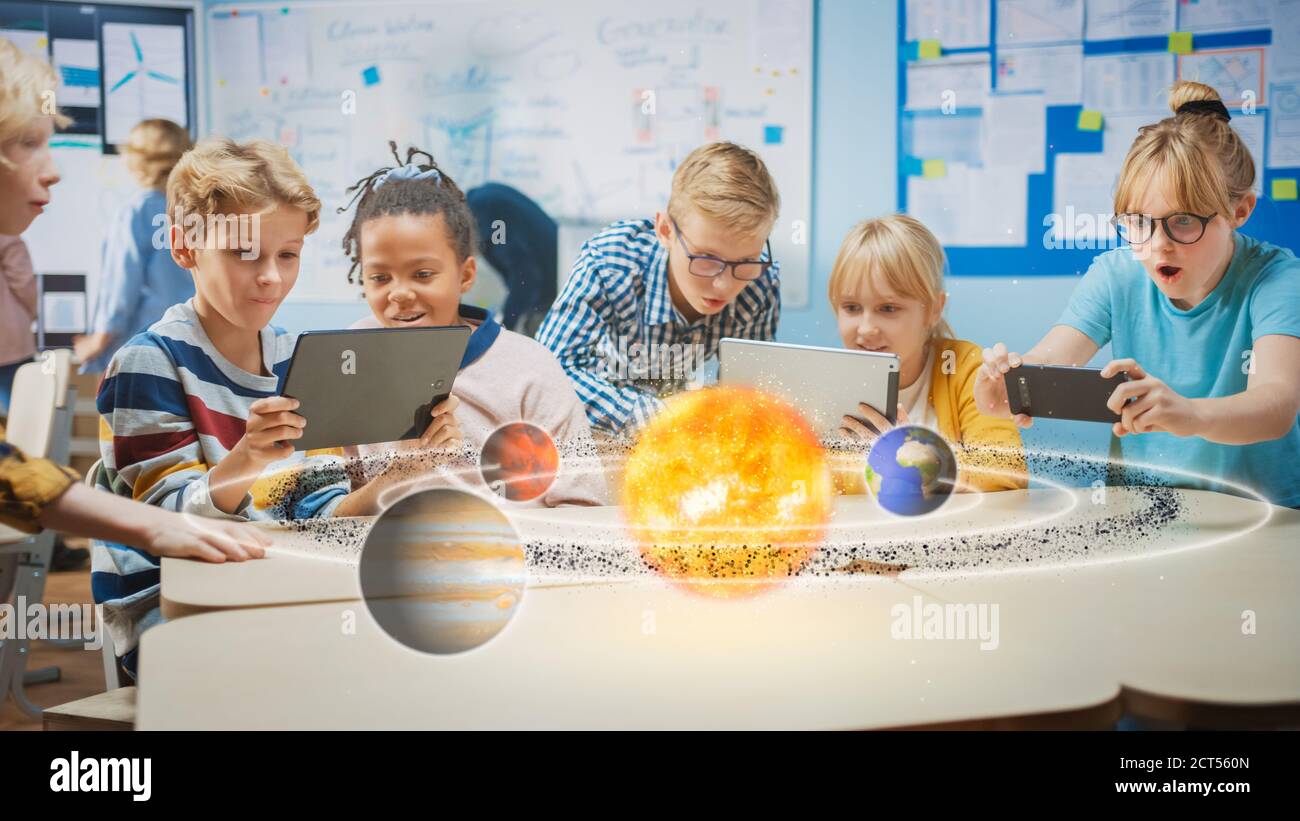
(1159,633)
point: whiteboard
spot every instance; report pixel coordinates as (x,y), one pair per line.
(586,107)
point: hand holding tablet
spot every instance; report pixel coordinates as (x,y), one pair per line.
(875,422)
(821,383)
(374,385)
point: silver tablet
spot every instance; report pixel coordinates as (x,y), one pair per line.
(824,384)
(360,387)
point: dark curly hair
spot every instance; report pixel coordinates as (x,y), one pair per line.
(420,197)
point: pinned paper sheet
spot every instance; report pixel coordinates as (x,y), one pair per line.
(972,207)
(943,137)
(1284,125)
(1014,133)
(1090,120)
(1180,42)
(929,50)
(936,169)
(1057,71)
(1284,188)
(1082,198)
(1122,19)
(1127,83)
(237,40)
(1250,128)
(955,23)
(958,80)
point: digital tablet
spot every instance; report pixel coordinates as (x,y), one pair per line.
(360,387)
(824,384)
(1062,392)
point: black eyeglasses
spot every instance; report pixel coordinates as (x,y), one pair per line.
(1182,228)
(703,265)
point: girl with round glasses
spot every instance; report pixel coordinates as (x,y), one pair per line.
(1204,319)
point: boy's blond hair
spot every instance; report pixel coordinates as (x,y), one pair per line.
(219,176)
(900,252)
(27,86)
(727,183)
(1205,163)
(152,150)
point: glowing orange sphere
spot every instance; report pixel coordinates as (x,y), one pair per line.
(519,461)
(727,490)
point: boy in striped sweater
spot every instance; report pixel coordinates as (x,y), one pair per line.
(190,416)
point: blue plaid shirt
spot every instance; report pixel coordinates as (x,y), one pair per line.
(613,324)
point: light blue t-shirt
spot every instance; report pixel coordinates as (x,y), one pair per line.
(1200,353)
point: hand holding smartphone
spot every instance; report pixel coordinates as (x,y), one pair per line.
(1062,392)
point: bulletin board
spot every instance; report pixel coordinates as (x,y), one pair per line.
(1015,116)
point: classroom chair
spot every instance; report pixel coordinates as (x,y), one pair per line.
(40,424)
(113,709)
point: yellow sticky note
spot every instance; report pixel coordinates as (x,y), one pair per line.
(1284,188)
(1090,120)
(1180,42)
(933,169)
(929,49)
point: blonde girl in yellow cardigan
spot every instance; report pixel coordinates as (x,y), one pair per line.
(886,290)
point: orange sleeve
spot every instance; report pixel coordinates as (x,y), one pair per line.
(27,486)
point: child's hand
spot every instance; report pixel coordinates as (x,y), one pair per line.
(1155,407)
(184,536)
(444,429)
(991,388)
(855,429)
(271,427)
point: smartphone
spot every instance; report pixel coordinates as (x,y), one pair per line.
(1062,392)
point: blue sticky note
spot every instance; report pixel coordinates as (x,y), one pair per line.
(912,50)
(773,134)
(913,166)
(371,75)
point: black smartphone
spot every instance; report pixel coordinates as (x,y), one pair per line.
(1062,392)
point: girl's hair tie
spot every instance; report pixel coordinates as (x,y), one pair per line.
(1213,107)
(410,171)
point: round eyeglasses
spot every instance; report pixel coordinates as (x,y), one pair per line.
(1182,227)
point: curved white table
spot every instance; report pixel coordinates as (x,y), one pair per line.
(1079,642)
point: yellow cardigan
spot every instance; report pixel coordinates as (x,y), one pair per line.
(988,449)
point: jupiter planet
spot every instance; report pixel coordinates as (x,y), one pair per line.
(442,571)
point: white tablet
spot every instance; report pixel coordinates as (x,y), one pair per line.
(824,384)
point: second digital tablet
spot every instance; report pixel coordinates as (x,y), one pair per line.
(824,384)
(360,387)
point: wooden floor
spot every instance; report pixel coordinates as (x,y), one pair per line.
(83,671)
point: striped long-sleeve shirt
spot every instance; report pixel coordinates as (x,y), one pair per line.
(621,340)
(171,407)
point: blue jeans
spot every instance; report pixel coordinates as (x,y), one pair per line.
(7,373)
